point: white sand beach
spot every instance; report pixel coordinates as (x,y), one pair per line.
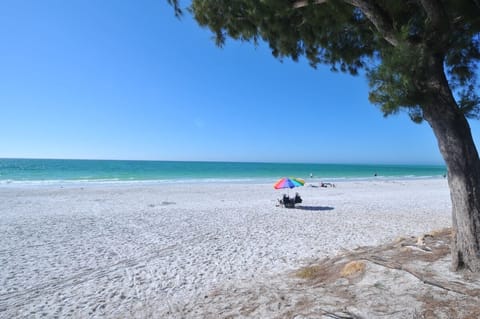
(133,250)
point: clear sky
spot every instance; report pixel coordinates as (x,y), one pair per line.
(117,79)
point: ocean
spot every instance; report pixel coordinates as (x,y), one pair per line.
(104,171)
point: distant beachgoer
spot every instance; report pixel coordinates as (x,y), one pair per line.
(311,175)
(297,199)
(322,184)
(375,174)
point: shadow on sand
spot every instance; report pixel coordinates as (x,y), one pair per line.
(314,208)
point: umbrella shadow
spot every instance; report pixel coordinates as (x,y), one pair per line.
(314,208)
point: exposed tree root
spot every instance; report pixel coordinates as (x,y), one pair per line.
(408,278)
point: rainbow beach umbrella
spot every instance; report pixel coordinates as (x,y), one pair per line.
(286,182)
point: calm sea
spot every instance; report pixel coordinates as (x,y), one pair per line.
(57,170)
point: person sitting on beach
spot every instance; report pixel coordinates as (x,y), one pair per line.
(287,201)
(297,199)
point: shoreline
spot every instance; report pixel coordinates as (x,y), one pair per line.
(249,180)
(105,251)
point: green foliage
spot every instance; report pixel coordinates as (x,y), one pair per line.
(337,36)
(393,81)
(469,102)
(350,38)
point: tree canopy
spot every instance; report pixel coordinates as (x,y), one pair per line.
(391,41)
(418,55)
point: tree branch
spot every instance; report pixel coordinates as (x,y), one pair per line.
(453,287)
(371,10)
(435,12)
(304,3)
(378,17)
(440,25)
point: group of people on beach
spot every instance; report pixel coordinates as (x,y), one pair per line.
(322,184)
(289,202)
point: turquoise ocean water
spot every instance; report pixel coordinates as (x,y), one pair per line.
(57,170)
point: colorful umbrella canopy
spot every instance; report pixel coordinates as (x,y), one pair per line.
(286,182)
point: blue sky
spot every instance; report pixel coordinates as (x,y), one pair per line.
(127,80)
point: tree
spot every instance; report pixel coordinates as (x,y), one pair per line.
(419,56)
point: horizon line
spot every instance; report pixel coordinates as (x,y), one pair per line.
(219,161)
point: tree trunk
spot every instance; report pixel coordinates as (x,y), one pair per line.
(458,150)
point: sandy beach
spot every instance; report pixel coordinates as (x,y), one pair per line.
(133,250)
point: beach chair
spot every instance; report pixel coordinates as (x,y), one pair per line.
(290,204)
